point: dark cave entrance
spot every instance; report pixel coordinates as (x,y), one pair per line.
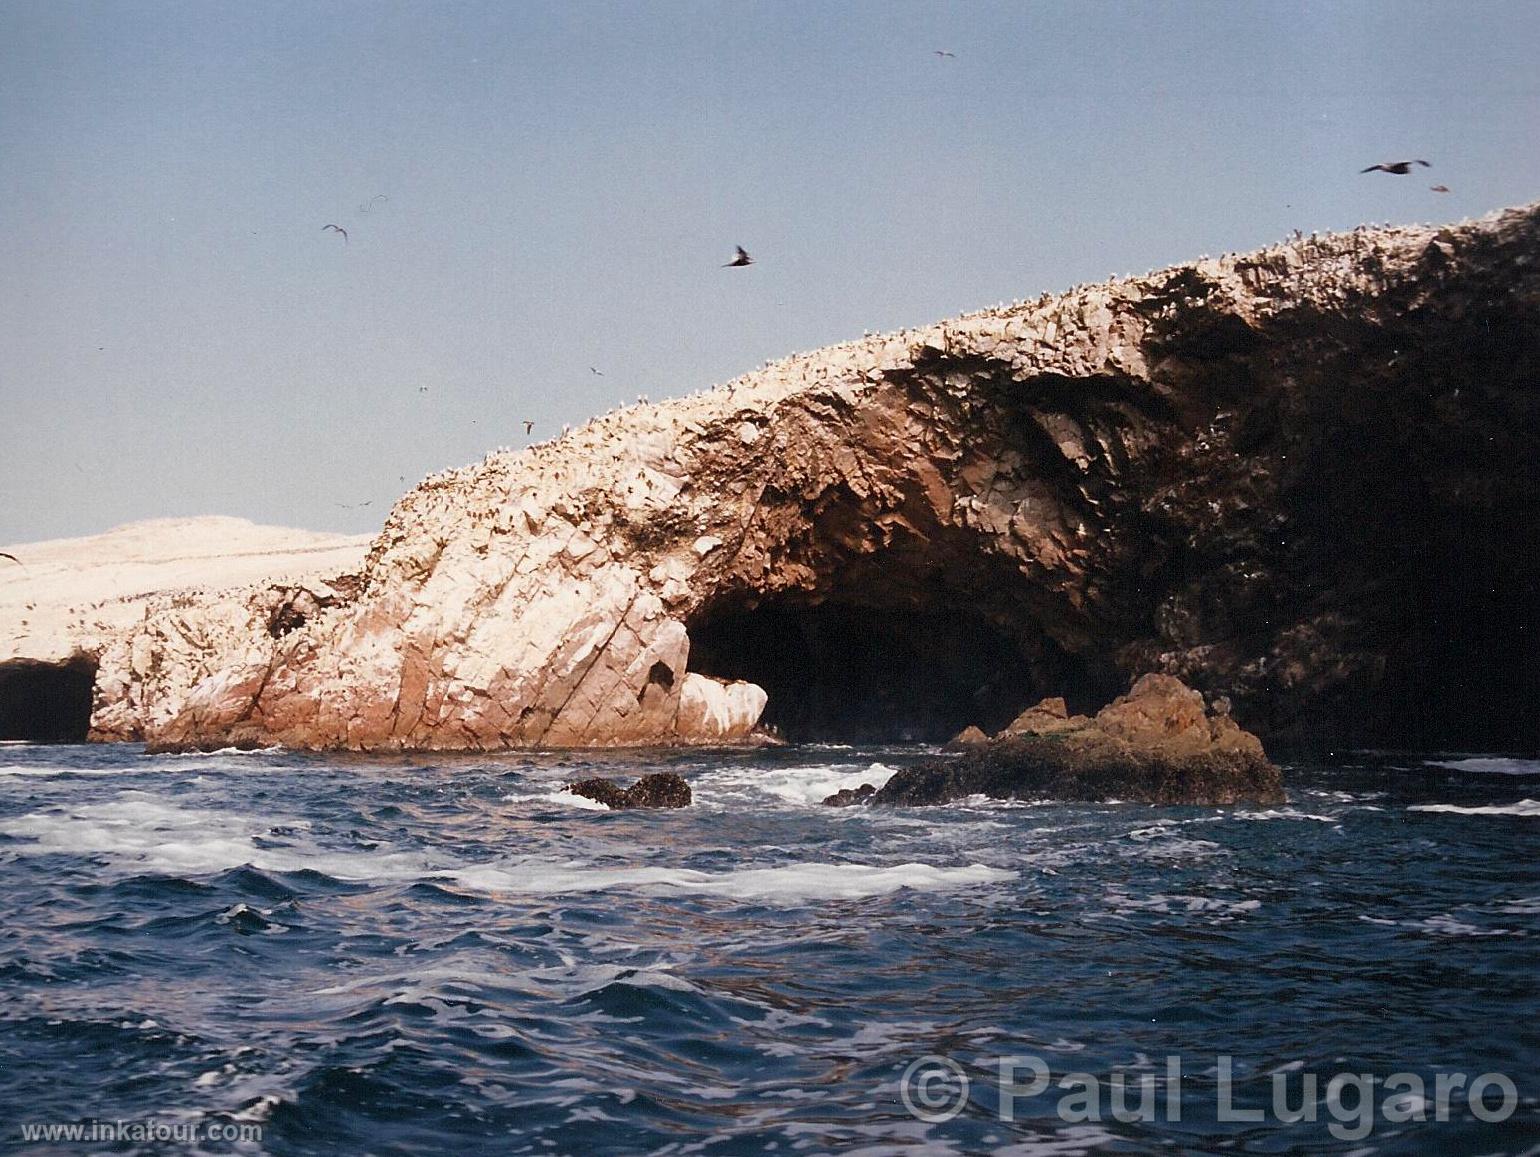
(46,702)
(839,672)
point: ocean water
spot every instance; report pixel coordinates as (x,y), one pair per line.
(291,953)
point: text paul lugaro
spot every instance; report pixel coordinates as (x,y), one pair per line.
(936,1088)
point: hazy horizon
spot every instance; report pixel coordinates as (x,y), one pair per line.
(536,191)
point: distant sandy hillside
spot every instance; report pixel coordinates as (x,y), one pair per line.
(44,602)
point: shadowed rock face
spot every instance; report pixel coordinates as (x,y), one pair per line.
(1302,478)
(46,702)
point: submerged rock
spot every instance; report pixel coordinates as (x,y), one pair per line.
(661,789)
(1155,744)
(848,796)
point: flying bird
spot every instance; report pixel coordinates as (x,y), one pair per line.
(13,558)
(1399,168)
(743,258)
(1439,188)
(369,204)
(945,53)
(339,229)
(596,372)
(529,428)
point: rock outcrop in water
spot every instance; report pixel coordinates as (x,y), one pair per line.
(1301,478)
(663,789)
(1157,744)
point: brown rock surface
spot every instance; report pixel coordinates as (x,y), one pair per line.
(1155,744)
(1044,717)
(969,736)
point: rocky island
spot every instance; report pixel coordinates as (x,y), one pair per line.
(1158,744)
(1300,478)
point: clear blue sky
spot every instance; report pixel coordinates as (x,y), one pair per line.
(565,178)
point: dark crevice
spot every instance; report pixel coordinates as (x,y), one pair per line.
(660,675)
(46,702)
(837,672)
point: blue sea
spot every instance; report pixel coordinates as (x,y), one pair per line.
(294,953)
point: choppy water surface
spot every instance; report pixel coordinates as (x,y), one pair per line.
(430,956)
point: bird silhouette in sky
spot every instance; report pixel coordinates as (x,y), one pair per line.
(13,558)
(368,205)
(1439,188)
(1399,168)
(356,505)
(743,258)
(529,428)
(596,372)
(339,229)
(944,53)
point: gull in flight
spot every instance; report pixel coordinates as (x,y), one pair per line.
(596,372)
(743,258)
(339,229)
(1399,168)
(1439,188)
(13,558)
(944,53)
(529,428)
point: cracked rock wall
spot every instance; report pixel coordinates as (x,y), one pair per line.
(1302,477)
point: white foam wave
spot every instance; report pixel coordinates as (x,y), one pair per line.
(150,834)
(561,799)
(1443,924)
(1525,807)
(804,786)
(221,751)
(1121,903)
(789,882)
(145,833)
(1494,766)
(23,771)
(1285,813)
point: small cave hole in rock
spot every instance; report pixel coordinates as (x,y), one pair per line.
(46,702)
(841,673)
(661,675)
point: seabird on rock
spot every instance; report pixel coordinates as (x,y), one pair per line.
(339,229)
(1399,168)
(743,258)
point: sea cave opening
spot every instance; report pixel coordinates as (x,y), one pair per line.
(46,702)
(840,672)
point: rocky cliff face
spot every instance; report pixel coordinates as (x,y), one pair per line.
(1302,477)
(105,635)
